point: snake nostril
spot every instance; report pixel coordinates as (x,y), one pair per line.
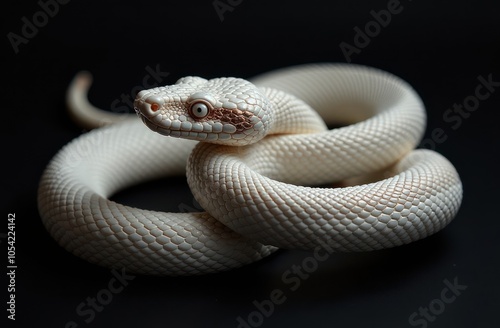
(154,107)
(154,102)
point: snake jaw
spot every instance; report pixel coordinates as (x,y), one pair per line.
(227,111)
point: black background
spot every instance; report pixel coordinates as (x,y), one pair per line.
(439,48)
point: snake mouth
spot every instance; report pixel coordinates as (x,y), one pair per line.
(176,130)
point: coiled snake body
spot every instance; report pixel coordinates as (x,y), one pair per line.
(264,148)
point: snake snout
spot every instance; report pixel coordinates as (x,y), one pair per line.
(147,106)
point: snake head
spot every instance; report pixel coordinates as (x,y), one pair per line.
(229,111)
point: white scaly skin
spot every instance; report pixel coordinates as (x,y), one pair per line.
(252,189)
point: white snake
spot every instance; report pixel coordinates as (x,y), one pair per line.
(252,193)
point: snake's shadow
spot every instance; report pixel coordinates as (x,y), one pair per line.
(348,274)
(340,276)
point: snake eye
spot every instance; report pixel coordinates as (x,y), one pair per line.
(199,110)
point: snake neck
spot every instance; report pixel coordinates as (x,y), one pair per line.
(292,115)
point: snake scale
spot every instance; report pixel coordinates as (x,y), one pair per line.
(257,155)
